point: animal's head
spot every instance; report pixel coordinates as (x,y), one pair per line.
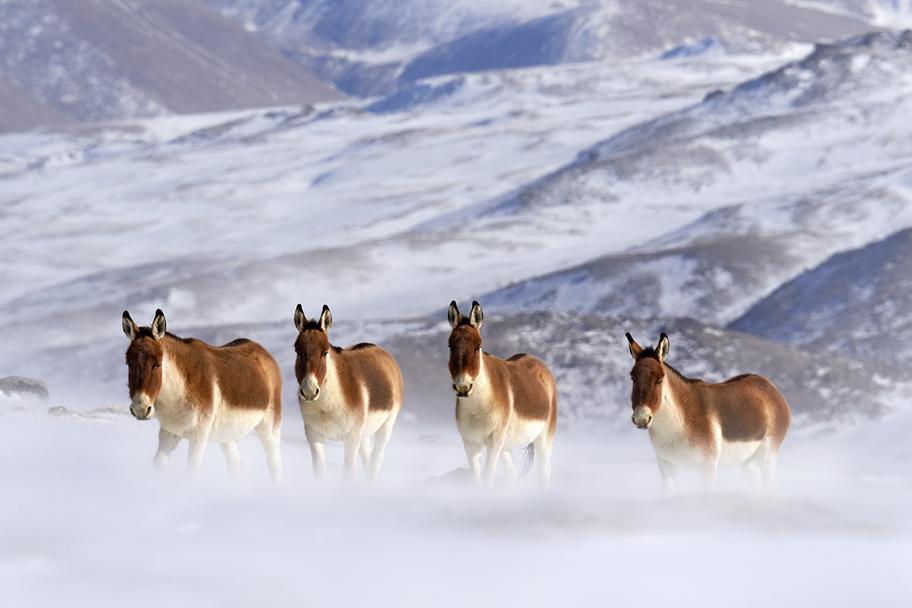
(648,376)
(312,348)
(465,347)
(144,360)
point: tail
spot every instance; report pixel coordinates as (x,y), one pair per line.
(528,460)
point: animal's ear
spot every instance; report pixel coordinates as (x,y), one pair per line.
(159,326)
(635,349)
(129,327)
(299,319)
(476,317)
(326,319)
(662,347)
(453,315)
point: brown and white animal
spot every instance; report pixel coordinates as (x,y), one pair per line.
(204,393)
(347,395)
(500,404)
(693,423)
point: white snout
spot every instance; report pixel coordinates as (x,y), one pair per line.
(463,385)
(642,417)
(309,389)
(142,407)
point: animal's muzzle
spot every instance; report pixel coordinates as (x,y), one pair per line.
(141,412)
(463,390)
(642,417)
(309,389)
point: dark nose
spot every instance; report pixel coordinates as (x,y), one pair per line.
(148,412)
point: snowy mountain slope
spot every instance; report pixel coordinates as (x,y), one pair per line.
(742,191)
(102,59)
(241,211)
(421,39)
(857,304)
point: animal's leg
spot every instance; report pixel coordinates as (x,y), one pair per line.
(473,454)
(198,438)
(495,446)
(232,457)
(767,461)
(167,442)
(270,436)
(668,472)
(506,458)
(381,440)
(710,472)
(317,452)
(351,445)
(543,446)
(364,451)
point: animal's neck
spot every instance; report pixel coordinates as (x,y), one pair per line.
(670,416)
(330,392)
(173,379)
(481,390)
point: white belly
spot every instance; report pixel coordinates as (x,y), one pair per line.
(234,423)
(522,432)
(737,452)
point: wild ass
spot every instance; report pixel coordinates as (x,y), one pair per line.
(346,395)
(500,404)
(741,421)
(204,393)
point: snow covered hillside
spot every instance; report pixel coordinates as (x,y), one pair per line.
(68,62)
(370,47)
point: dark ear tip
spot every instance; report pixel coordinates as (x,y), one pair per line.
(159,312)
(475,303)
(299,307)
(629,337)
(664,336)
(452,302)
(325,307)
(126,315)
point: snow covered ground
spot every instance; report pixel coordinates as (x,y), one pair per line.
(89,522)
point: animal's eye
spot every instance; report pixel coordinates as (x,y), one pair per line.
(325,352)
(660,380)
(477,349)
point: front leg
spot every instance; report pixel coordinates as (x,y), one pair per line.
(495,445)
(167,442)
(473,454)
(668,471)
(317,451)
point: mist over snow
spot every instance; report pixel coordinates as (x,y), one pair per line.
(734,174)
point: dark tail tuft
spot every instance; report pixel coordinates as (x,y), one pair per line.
(528,459)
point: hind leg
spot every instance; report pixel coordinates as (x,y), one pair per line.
(167,442)
(364,451)
(506,458)
(232,457)
(270,437)
(766,460)
(542,446)
(381,440)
